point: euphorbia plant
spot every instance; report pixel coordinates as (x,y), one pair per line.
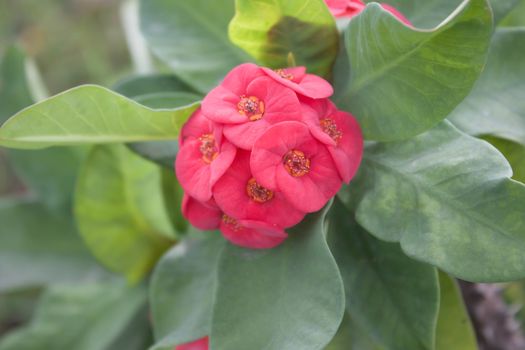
(327,243)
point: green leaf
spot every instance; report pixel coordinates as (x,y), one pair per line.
(173,193)
(496,105)
(38,247)
(351,337)
(271,30)
(516,18)
(515,154)
(181,292)
(90,114)
(424,14)
(289,297)
(501,8)
(140,85)
(14,91)
(404,81)
(393,298)
(49,173)
(192,38)
(454,329)
(120,211)
(80,317)
(447,198)
(158,91)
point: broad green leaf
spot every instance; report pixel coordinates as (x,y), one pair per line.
(496,105)
(173,193)
(38,248)
(192,38)
(158,91)
(393,298)
(272,30)
(288,297)
(181,292)
(140,85)
(14,91)
(120,211)
(449,200)
(80,317)
(404,81)
(351,336)
(516,18)
(501,8)
(90,114)
(425,14)
(454,329)
(515,154)
(49,173)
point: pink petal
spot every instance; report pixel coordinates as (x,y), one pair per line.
(199,344)
(305,84)
(397,14)
(196,176)
(269,149)
(220,105)
(204,216)
(253,234)
(231,195)
(198,125)
(310,192)
(240,77)
(244,135)
(349,151)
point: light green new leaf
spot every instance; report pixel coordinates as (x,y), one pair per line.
(120,211)
(14,91)
(80,317)
(192,38)
(449,200)
(454,329)
(38,248)
(496,105)
(288,297)
(404,81)
(515,154)
(271,30)
(181,292)
(90,114)
(393,298)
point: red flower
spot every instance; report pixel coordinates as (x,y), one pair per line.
(248,104)
(351,8)
(340,132)
(239,195)
(199,344)
(203,157)
(204,216)
(287,158)
(295,78)
(251,234)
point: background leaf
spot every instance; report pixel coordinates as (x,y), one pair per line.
(136,86)
(514,153)
(447,198)
(405,81)
(516,17)
(289,297)
(192,38)
(90,114)
(181,292)
(120,211)
(454,329)
(393,298)
(270,30)
(80,317)
(496,105)
(424,14)
(37,247)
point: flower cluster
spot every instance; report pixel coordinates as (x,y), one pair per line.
(351,8)
(266,147)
